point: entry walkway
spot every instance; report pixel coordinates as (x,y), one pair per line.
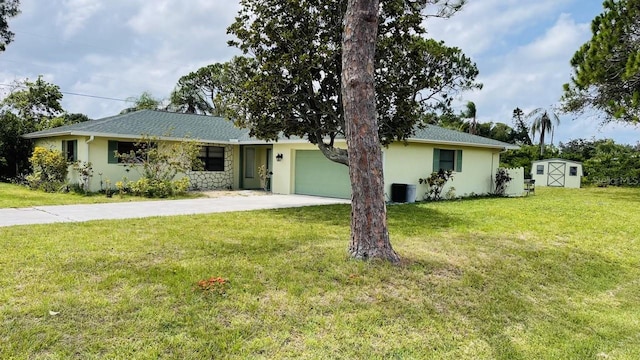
(141,209)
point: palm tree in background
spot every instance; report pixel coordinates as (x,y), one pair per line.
(543,123)
(470,113)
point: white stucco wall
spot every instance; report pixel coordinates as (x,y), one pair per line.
(283,178)
(408,163)
(403,164)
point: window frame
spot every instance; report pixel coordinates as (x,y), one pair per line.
(70,156)
(457,160)
(573,171)
(115,146)
(539,169)
(212,163)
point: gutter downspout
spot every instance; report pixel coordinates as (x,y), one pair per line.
(87,142)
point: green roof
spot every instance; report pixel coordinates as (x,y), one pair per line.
(153,123)
(163,124)
(437,134)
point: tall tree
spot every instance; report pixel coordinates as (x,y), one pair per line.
(470,113)
(293,85)
(521,130)
(607,67)
(369,232)
(543,123)
(8,9)
(199,92)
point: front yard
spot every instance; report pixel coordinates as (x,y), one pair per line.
(553,276)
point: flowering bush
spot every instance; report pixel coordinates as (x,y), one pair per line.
(49,170)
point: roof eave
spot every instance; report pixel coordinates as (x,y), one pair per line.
(468,144)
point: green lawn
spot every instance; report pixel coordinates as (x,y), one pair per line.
(550,276)
(15,196)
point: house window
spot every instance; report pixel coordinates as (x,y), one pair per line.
(447,160)
(540,169)
(573,171)
(212,158)
(70,150)
(121,147)
(249,162)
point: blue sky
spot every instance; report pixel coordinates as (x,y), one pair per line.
(118,49)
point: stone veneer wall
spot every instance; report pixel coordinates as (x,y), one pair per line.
(214,180)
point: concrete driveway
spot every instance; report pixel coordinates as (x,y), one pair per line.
(141,209)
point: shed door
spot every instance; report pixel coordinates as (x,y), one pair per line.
(556,174)
(316,175)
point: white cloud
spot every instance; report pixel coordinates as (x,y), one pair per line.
(484,25)
(76,14)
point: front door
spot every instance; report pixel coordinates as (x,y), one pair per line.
(250,176)
(555,176)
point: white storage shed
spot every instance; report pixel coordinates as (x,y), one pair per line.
(557,172)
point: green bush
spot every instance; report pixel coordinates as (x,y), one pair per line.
(50,170)
(158,188)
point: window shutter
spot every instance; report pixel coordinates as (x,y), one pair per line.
(436,160)
(111,156)
(458,160)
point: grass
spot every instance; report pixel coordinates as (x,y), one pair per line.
(16,196)
(550,276)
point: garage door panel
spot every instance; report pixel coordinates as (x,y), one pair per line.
(316,175)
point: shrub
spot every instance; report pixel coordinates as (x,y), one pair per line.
(158,163)
(158,188)
(436,182)
(85,173)
(49,170)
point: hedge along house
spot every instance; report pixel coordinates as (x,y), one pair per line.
(233,159)
(557,172)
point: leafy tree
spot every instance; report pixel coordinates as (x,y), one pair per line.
(292,85)
(35,102)
(524,156)
(578,149)
(543,123)
(14,150)
(199,92)
(470,114)
(306,64)
(145,101)
(8,9)
(613,164)
(607,67)
(30,106)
